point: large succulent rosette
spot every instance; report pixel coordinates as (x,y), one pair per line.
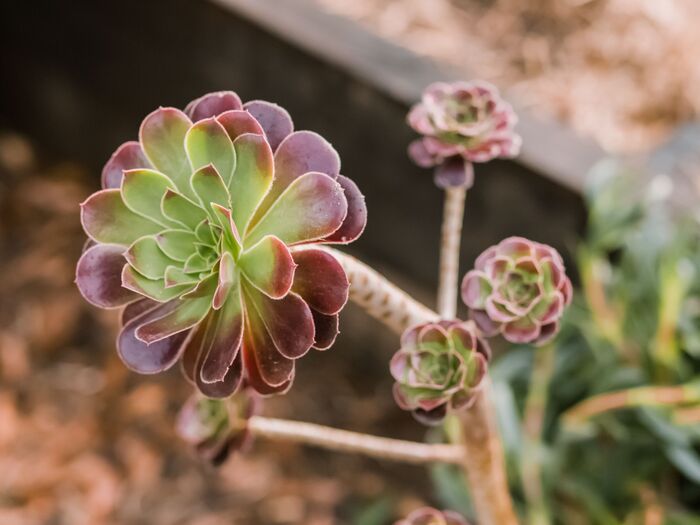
(430,516)
(205,231)
(461,123)
(518,288)
(439,367)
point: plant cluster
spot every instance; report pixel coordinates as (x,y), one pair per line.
(212,233)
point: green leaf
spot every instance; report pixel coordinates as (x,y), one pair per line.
(191,309)
(143,190)
(106,219)
(210,188)
(177,244)
(208,143)
(204,233)
(175,276)
(269,267)
(378,512)
(182,210)
(451,488)
(312,207)
(162,137)
(686,460)
(153,288)
(147,258)
(252,178)
(196,263)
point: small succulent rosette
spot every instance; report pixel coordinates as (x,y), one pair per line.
(519,289)
(461,123)
(205,231)
(440,367)
(430,516)
(215,428)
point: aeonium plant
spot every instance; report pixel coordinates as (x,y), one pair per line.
(518,288)
(213,231)
(214,427)
(461,123)
(439,368)
(205,231)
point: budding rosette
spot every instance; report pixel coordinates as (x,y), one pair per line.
(461,123)
(216,427)
(518,288)
(205,231)
(430,516)
(439,367)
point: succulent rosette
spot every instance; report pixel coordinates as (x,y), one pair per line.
(439,367)
(430,516)
(461,123)
(217,427)
(205,232)
(518,288)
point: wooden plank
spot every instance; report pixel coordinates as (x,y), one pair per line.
(550,147)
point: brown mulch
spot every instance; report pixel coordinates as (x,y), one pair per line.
(83,441)
(624,72)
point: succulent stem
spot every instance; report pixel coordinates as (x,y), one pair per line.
(633,397)
(533,423)
(484,462)
(354,442)
(452,218)
(482,454)
(381,299)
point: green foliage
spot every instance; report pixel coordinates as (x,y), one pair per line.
(633,330)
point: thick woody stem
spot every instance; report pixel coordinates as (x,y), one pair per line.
(485,462)
(482,456)
(452,218)
(346,441)
(381,299)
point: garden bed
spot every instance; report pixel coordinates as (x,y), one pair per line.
(562,58)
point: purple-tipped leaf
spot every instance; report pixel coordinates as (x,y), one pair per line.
(326,329)
(274,119)
(239,122)
(162,136)
(207,142)
(187,311)
(128,156)
(269,267)
(287,323)
(136,308)
(356,218)
(301,152)
(98,276)
(213,104)
(106,219)
(311,208)
(149,359)
(224,344)
(320,280)
(152,288)
(252,178)
(227,280)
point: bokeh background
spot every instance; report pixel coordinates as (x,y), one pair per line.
(84,441)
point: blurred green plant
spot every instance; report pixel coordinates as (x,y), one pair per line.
(603,427)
